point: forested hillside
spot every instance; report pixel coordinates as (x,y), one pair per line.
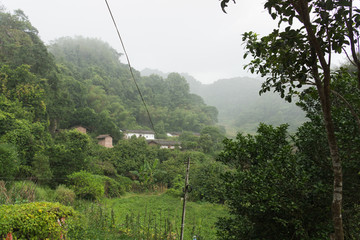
(240,106)
(46,90)
(83,82)
(97,83)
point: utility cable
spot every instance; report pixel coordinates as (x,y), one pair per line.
(131,71)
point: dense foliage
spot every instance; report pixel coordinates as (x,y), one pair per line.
(81,81)
(282,185)
(46,91)
(34,220)
(298,52)
(96,79)
(272,194)
(312,142)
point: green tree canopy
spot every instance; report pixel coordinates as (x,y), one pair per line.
(294,55)
(21,44)
(69,154)
(272,194)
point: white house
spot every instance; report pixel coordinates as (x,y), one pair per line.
(148,135)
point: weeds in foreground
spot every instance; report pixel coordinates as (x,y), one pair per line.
(150,226)
(94,222)
(17,192)
(98,221)
(135,216)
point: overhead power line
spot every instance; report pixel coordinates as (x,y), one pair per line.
(131,71)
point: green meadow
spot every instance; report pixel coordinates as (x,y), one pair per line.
(147,216)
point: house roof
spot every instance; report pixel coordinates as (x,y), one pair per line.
(103,136)
(140,131)
(174,133)
(163,142)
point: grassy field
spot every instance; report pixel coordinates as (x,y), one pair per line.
(158,216)
(137,216)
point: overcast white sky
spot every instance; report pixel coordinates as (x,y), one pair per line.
(192,36)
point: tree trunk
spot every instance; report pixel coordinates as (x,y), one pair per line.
(53,125)
(336,206)
(323,88)
(338,183)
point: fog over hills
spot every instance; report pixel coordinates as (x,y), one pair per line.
(240,106)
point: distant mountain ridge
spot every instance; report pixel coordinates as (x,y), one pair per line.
(240,106)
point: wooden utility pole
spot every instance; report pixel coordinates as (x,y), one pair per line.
(186,189)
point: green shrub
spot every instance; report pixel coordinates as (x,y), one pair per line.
(206,182)
(34,220)
(65,195)
(44,194)
(177,187)
(41,169)
(125,182)
(87,185)
(9,161)
(112,188)
(175,192)
(352,222)
(78,227)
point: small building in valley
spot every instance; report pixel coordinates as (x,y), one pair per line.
(105,140)
(148,135)
(80,129)
(164,143)
(173,134)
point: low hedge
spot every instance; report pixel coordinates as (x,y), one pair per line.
(86,185)
(94,187)
(38,220)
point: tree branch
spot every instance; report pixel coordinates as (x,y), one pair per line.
(349,25)
(352,110)
(348,57)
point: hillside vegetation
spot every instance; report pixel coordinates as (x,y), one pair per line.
(241,107)
(81,81)
(47,90)
(97,83)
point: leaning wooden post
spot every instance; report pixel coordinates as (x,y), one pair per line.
(185,195)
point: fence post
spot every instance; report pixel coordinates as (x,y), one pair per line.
(185,196)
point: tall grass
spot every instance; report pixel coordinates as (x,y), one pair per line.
(144,216)
(16,192)
(159,217)
(94,221)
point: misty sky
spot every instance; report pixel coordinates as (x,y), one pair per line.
(192,36)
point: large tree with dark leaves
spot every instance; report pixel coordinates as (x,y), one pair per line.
(21,45)
(297,54)
(272,194)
